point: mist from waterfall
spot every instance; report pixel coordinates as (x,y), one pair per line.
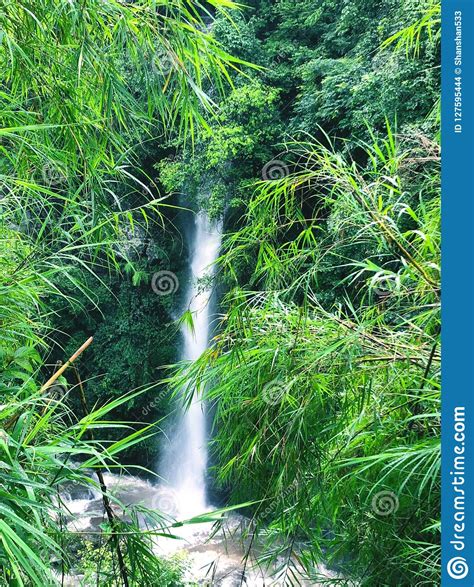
(184,460)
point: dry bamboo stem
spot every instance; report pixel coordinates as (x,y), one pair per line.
(105,496)
(60,371)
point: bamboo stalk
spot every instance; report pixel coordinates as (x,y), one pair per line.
(52,379)
(103,487)
(61,370)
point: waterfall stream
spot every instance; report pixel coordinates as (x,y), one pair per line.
(214,557)
(185,457)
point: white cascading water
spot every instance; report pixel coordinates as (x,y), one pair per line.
(185,458)
(183,495)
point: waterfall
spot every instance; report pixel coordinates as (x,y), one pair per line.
(185,458)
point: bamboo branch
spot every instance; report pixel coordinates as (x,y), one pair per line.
(60,371)
(51,380)
(103,487)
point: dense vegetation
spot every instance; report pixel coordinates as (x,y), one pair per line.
(323,160)
(73,195)
(325,370)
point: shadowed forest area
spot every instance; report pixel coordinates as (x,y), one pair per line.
(240,205)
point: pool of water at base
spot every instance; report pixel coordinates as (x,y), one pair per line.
(214,557)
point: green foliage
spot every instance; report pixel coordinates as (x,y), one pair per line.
(325,406)
(327,60)
(325,65)
(410,37)
(324,376)
(41,443)
(71,188)
(134,336)
(239,139)
(97,566)
(349,82)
